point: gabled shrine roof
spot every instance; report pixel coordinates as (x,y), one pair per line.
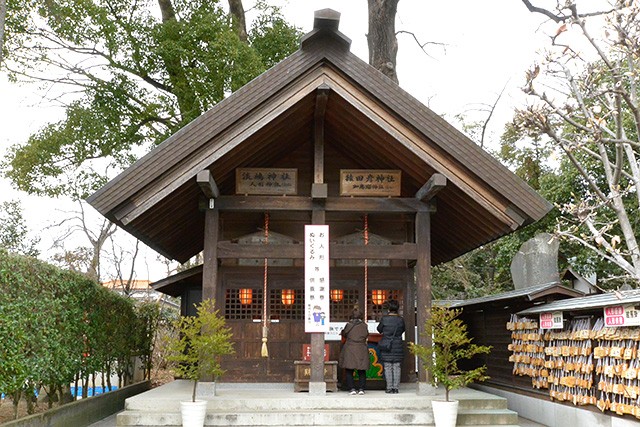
(369,120)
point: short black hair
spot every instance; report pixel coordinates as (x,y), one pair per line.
(357,314)
(393,305)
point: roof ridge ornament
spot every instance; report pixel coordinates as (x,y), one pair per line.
(325,22)
(326,19)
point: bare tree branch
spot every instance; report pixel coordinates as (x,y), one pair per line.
(560,17)
(493,108)
(422,45)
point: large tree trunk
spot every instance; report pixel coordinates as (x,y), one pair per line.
(237,14)
(383,45)
(180,86)
(3,17)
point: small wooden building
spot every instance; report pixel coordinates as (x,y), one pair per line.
(486,318)
(320,138)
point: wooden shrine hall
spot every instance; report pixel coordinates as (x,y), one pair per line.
(322,138)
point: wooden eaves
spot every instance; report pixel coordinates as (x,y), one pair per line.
(367,118)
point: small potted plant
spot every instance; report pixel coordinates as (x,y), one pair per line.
(451,344)
(196,351)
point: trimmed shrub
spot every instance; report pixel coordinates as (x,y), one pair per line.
(60,327)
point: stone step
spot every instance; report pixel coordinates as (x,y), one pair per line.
(487,416)
(346,402)
(277,407)
(325,417)
(288,418)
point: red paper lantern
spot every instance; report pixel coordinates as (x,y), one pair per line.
(288,296)
(337,295)
(378,296)
(246,296)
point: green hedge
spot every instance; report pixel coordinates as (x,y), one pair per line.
(58,327)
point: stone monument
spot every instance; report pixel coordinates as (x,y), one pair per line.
(536,263)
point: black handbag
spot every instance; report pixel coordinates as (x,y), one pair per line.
(385,344)
(386,341)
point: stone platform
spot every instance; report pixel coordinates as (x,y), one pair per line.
(245,405)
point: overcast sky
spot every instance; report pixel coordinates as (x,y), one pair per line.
(479,47)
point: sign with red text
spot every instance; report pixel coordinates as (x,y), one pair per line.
(306,352)
(551,320)
(316,278)
(622,315)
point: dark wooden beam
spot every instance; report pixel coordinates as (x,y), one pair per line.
(207,184)
(210,254)
(336,251)
(334,204)
(402,252)
(250,251)
(516,215)
(428,191)
(261,203)
(322,96)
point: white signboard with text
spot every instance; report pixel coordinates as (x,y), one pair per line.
(316,278)
(335,328)
(622,315)
(551,320)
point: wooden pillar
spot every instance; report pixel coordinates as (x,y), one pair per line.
(210,256)
(317,385)
(409,367)
(210,274)
(423,289)
(211,236)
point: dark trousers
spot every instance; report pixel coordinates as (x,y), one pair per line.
(392,374)
(362,378)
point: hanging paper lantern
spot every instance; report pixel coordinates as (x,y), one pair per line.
(246,296)
(337,295)
(378,296)
(288,296)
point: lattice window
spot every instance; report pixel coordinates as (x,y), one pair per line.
(245,303)
(286,304)
(376,299)
(343,301)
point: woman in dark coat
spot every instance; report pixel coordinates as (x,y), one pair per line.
(392,327)
(354,355)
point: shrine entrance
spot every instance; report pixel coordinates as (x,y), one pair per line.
(241,297)
(323,139)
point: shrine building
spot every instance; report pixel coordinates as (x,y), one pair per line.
(322,138)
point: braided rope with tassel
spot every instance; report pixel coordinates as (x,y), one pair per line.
(366,267)
(264,352)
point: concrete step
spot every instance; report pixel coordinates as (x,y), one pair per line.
(325,417)
(288,418)
(282,407)
(302,402)
(486,417)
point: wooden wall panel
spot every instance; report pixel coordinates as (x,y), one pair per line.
(487,326)
(287,337)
